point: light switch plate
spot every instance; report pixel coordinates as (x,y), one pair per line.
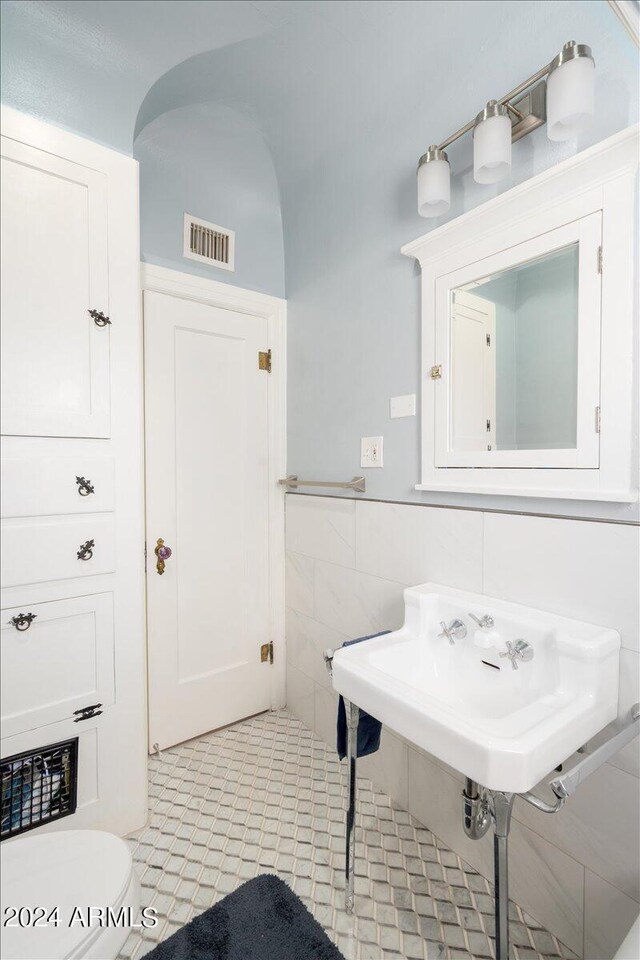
(404,406)
(371,451)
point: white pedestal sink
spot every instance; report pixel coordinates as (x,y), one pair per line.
(465,704)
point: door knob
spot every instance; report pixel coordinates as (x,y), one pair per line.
(162,552)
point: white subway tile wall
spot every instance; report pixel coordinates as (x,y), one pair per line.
(348,562)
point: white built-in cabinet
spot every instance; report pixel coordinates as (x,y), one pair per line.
(72,572)
(55,270)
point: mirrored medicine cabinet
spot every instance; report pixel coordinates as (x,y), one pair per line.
(527,336)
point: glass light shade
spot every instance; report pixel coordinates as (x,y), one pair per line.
(434,188)
(570,98)
(492,149)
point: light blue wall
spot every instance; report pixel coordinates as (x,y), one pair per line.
(354,336)
(348,96)
(213,163)
(86,65)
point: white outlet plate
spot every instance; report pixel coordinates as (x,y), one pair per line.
(371,451)
(404,406)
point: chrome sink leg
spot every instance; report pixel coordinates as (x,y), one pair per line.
(502,807)
(353,716)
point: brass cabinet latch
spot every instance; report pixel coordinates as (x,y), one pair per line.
(436,372)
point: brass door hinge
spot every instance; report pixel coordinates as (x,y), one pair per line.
(264,360)
(266,652)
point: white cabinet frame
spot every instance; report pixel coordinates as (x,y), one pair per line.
(602,181)
(587,233)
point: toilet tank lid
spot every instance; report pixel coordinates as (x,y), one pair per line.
(66,869)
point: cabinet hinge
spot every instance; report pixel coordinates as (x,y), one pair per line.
(86,713)
(488,339)
(599,259)
(436,372)
(597,419)
(488,426)
(266,652)
(264,360)
(145,556)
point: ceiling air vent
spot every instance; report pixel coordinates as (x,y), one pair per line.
(208,243)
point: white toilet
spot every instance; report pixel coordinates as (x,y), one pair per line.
(69,869)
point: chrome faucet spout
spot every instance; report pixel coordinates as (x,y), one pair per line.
(486,623)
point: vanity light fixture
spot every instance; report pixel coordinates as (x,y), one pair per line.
(492,143)
(560,94)
(570,92)
(434,183)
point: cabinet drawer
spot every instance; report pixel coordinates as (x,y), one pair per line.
(34,551)
(61,662)
(56,485)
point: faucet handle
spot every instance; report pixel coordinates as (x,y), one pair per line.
(520,650)
(455,631)
(486,623)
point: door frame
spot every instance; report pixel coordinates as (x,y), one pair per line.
(186,286)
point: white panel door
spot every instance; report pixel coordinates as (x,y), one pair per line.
(208,499)
(473,370)
(55,359)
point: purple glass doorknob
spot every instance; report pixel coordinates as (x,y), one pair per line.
(162,552)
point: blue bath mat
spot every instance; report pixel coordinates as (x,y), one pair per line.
(261,920)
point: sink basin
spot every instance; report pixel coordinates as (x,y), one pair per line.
(466,705)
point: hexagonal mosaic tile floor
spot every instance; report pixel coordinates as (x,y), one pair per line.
(267,796)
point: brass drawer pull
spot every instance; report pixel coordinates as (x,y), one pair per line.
(23,621)
(86,550)
(85,487)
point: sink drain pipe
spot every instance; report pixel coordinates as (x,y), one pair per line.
(476,815)
(481,807)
